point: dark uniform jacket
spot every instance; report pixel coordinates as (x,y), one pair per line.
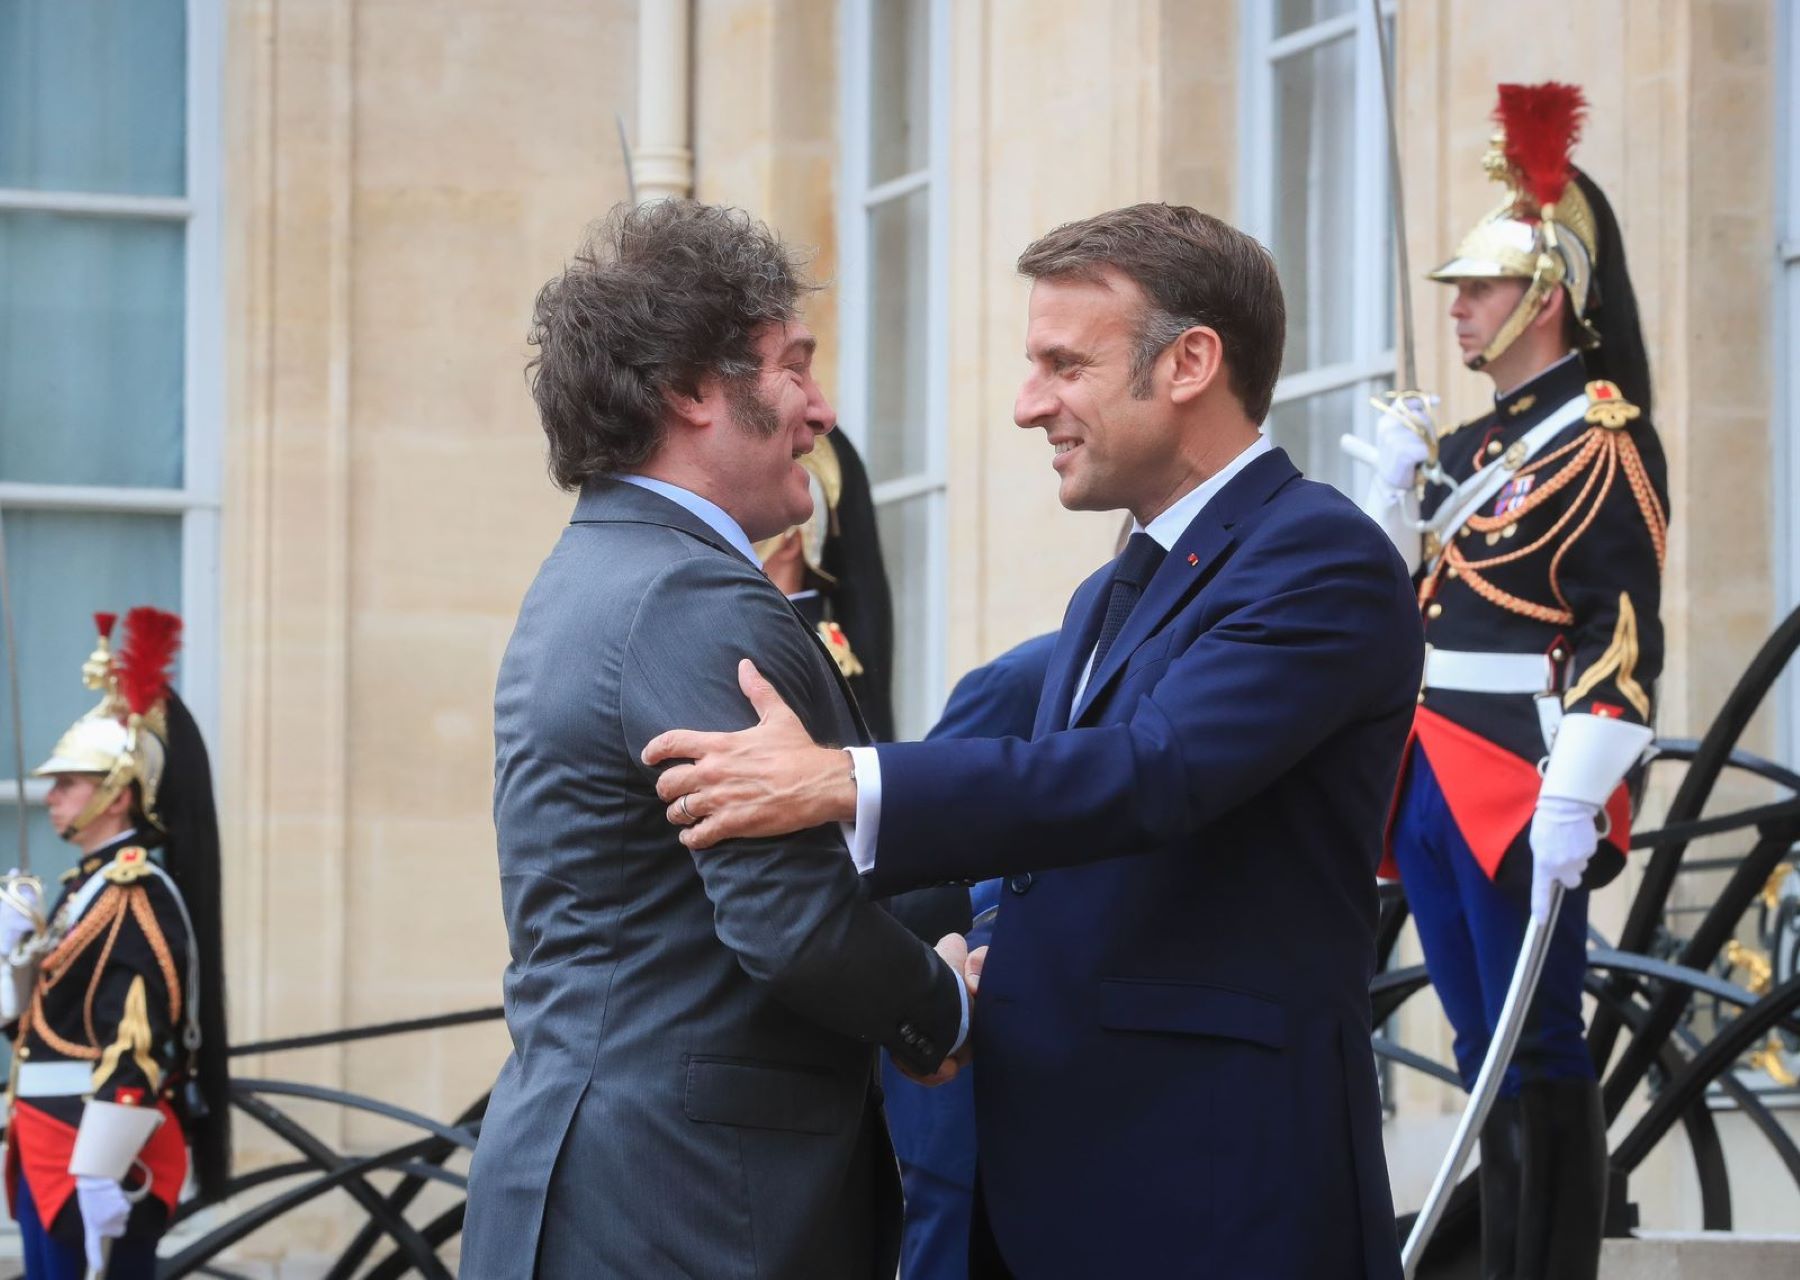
(1564,560)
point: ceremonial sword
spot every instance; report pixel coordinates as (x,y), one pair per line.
(1524,984)
(1418,421)
(1536,946)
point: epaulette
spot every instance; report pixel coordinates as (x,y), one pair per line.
(132,865)
(1607,407)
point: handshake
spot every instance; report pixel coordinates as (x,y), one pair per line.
(954,950)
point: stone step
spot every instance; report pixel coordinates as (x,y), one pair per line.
(1699,1255)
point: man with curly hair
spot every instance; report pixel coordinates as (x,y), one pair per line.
(692,1088)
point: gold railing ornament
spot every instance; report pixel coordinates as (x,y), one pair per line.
(1759,971)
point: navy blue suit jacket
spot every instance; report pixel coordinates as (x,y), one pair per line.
(934,1129)
(1173,1027)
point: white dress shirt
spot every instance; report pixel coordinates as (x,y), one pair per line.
(1166,528)
(715,518)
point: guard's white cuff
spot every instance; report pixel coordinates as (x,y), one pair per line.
(110,1137)
(861,835)
(1591,756)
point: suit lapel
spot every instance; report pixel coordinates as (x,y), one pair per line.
(1189,564)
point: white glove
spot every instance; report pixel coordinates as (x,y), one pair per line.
(104,1209)
(1398,446)
(15,925)
(1563,839)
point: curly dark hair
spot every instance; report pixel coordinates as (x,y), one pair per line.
(658,297)
(1194,269)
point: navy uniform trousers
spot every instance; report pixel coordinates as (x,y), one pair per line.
(1471,928)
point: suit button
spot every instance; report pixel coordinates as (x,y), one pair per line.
(1435,611)
(1019,883)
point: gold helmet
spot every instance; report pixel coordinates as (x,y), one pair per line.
(122,740)
(826,475)
(1544,232)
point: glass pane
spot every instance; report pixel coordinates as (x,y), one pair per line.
(906,549)
(1292,15)
(93,96)
(64,566)
(1309,429)
(1313,154)
(899,84)
(50,854)
(91,316)
(898,267)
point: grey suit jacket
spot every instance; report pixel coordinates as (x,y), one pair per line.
(691,1090)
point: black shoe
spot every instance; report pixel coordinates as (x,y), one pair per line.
(1499,1176)
(1562,1187)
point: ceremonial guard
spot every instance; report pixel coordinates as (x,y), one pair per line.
(831,569)
(1538,533)
(116,995)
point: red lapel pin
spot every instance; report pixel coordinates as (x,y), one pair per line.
(1192,558)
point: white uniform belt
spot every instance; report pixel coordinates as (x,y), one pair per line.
(55,1079)
(1487,672)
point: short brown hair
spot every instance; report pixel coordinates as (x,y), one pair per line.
(1195,270)
(660,296)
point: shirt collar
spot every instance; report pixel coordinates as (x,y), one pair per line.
(1168,527)
(710,512)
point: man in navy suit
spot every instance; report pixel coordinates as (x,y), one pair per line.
(934,1129)
(1174,1020)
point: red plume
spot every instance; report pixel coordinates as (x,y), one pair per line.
(1542,123)
(103,622)
(151,639)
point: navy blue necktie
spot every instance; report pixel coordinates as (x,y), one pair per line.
(1137,565)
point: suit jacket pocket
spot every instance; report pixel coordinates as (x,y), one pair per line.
(1186,1008)
(764,1095)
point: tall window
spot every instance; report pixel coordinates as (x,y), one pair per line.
(110,379)
(893,279)
(1315,180)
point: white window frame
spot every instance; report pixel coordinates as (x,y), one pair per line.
(1371,201)
(203,382)
(858,201)
(1786,313)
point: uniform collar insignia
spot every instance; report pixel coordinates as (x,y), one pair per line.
(1541,394)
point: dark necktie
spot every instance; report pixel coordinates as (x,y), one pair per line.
(1137,565)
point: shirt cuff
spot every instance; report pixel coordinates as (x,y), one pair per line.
(861,834)
(962,1032)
